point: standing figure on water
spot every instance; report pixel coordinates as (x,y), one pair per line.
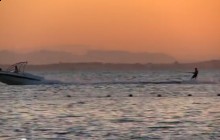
(195,74)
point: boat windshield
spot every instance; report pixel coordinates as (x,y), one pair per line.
(18,67)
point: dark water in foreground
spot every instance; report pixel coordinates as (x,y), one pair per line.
(79,108)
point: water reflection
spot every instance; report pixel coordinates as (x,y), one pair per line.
(86,112)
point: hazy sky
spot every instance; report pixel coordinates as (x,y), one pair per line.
(185,29)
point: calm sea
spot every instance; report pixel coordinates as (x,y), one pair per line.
(94,105)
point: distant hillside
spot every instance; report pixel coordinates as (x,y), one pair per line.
(127,57)
(48,57)
(215,64)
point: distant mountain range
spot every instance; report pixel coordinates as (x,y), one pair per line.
(99,60)
(51,57)
(214,64)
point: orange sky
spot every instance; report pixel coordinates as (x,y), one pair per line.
(185,29)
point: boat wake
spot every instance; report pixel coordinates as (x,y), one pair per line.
(158,82)
(51,82)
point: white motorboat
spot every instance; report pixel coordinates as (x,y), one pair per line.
(15,75)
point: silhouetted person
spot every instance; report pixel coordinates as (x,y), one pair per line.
(16,69)
(195,74)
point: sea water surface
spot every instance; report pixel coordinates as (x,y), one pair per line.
(92,105)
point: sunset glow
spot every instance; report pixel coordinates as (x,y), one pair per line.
(188,30)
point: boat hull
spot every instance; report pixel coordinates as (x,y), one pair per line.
(19,79)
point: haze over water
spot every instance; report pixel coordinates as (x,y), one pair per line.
(96,105)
